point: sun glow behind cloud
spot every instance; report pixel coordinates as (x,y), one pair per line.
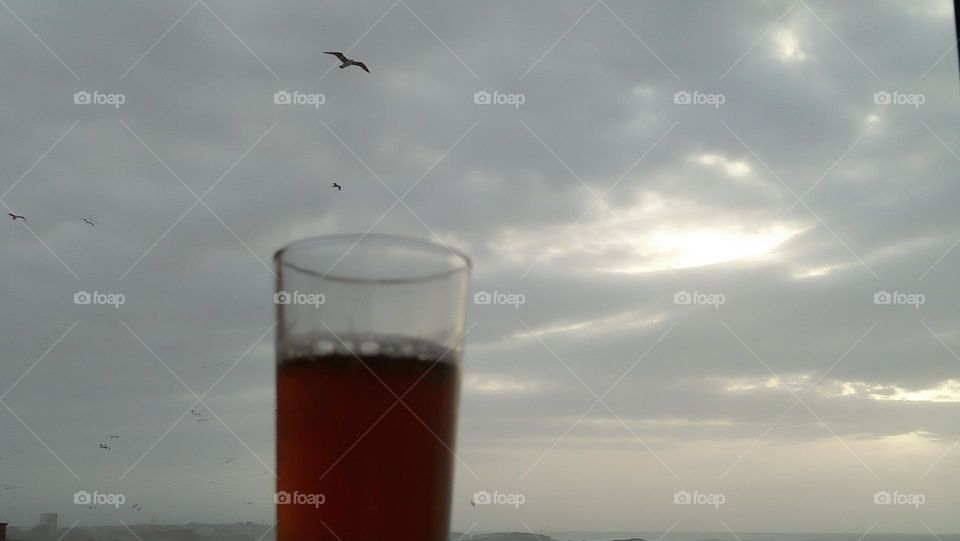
(697,247)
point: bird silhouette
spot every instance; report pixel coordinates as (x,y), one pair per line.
(113,437)
(90,221)
(229,460)
(104,446)
(16,217)
(346,62)
(337,186)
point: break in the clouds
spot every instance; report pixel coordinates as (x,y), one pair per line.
(723,235)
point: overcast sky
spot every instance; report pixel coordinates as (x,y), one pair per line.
(736,155)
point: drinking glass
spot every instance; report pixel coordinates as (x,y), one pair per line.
(368,348)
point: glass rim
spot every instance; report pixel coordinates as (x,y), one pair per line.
(465,262)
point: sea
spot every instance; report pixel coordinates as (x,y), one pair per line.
(727,536)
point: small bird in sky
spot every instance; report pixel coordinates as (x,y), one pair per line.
(473,503)
(104,446)
(113,437)
(90,221)
(337,186)
(229,460)
(346,62)
(16,217)
(194,413)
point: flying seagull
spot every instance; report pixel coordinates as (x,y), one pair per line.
(90,221)
(104,446)
(337,186)
(346,62)
(113,437)
(16,217)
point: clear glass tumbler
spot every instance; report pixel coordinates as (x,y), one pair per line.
(369,340)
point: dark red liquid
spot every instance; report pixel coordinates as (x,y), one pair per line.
(385,471)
